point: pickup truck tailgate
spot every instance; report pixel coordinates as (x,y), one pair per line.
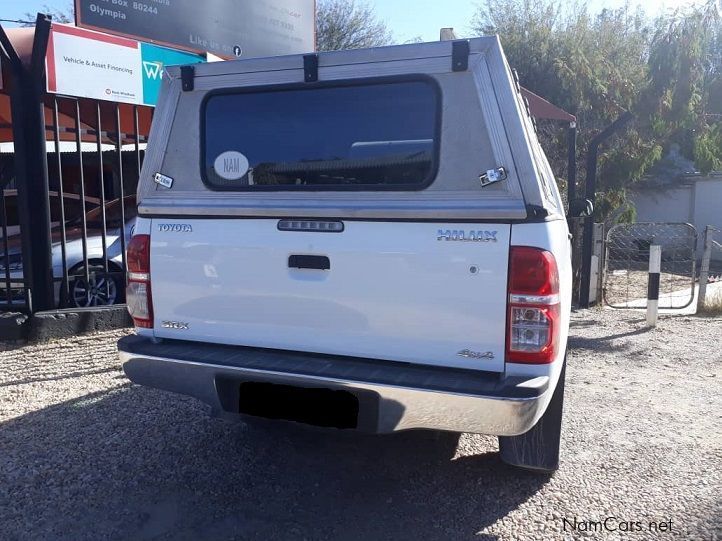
(427,293)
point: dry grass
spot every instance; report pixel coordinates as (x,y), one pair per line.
(713,304)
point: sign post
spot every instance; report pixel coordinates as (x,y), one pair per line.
(655,266)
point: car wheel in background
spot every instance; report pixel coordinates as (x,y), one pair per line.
(101,289)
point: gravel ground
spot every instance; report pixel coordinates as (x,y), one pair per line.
(86,455)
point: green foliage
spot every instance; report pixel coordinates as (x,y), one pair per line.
(614,204)
(667,71)
(707,147)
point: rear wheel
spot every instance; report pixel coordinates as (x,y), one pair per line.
(101,289)
(538,449)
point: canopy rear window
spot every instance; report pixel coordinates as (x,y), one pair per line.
(369,136)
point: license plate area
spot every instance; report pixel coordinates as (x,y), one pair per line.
(315,406)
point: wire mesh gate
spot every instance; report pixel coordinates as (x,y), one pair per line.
(715,254)
(627,264)
(710,275)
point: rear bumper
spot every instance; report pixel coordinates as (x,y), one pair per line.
(392,396)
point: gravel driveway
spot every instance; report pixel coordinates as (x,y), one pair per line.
(86,455)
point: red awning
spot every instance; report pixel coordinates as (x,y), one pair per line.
(542,109)
(6,119)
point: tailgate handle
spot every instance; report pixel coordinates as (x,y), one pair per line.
(318,262)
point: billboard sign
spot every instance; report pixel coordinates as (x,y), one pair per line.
(227,28)
(153,59)
(103,67)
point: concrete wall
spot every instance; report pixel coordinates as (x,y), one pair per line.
(698,203)
(665,205)
(708,204)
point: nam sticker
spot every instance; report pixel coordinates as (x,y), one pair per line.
(231,165)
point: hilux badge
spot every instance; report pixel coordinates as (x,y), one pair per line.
(467,236)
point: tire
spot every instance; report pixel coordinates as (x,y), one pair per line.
(105,289)
(538,449)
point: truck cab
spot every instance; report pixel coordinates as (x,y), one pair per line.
(368,239)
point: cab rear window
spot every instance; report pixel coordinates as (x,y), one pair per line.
(351,137)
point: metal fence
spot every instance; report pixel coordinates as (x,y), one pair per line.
(67,179)
(627,264)
(93,165)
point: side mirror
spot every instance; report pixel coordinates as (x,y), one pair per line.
(581,208)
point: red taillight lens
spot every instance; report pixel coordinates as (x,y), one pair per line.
(533,327)
(139,254)
(533,272)
(137,293)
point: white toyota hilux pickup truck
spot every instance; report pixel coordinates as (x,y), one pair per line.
(368,239)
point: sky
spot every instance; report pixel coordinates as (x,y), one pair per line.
(408,19)
(431,15)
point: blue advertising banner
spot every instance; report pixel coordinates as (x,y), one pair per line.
(154,59)
(90,64)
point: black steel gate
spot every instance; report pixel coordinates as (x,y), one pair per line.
(67,203)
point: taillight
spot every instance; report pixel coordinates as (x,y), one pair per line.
(137,293)
(533,327)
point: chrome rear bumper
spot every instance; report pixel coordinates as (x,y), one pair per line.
(392,396)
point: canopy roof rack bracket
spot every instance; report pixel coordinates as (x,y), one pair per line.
(187,76)
(310,68)
(460,55)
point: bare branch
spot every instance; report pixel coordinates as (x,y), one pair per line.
(347,24)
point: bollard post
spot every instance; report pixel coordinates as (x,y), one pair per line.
(704,270)
(655,266)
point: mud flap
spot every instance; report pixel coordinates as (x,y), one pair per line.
(538,449)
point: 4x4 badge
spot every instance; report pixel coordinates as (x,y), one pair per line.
(475,354)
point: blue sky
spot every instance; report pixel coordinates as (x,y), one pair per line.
(406,18)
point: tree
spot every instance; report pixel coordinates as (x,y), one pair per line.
(671,107)
(59,15)
(346,24)
(619,60)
